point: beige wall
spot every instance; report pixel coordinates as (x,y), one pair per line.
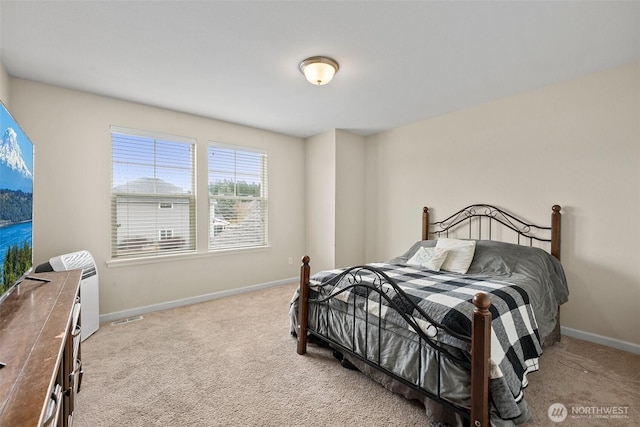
(576,144)
(350,199)
(4,86)
(72,183)
(320,202)
(335,199)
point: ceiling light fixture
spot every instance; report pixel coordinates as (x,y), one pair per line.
(319,70)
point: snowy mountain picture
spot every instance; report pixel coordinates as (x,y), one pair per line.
(16,203)
(15,171)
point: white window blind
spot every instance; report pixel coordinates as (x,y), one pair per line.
(238,202)
(153,194)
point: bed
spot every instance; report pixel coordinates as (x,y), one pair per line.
(458,321)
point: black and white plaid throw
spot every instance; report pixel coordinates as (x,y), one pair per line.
(447,298)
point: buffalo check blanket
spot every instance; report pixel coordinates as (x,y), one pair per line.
(447,298)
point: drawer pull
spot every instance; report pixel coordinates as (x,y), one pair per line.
(53,407)
(76,331)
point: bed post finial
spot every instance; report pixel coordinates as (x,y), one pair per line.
(555,230)
(482,302)
(303,305)
(425,223)
(480,354)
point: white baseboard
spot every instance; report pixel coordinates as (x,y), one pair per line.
(600,339)
(109,317)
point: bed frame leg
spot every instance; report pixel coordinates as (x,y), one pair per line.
(480,354)
(555,231)
(303,305)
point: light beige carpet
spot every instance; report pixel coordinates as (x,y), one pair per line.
(232,362)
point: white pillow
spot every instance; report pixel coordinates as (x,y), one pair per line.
(429,258)
(460,254)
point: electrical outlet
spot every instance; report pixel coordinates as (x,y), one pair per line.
(290,260)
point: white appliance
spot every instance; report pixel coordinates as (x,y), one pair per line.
(89,288)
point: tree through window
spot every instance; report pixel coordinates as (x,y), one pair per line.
(238,208)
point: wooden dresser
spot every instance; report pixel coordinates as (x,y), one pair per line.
(40,345)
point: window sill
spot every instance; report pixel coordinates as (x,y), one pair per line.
(128,262)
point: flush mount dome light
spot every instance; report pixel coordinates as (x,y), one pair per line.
(319,70)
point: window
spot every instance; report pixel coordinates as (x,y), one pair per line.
(238,213)
(152,195)
(166,234)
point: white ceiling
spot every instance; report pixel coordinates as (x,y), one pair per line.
(400,62)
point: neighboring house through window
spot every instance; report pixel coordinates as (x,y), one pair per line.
(153,194)
(166,234)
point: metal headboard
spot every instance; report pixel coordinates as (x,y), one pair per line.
(524,230)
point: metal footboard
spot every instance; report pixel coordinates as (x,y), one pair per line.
(366,287)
